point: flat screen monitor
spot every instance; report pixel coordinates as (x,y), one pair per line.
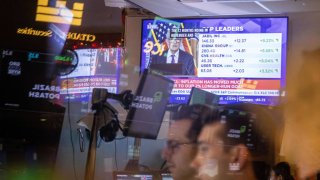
(133,175)
(148,107)
(241,59)
(199,96)
(97,68)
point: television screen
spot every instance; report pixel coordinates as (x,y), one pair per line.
(97,68)
(239,59)
(199,96)
(148,107)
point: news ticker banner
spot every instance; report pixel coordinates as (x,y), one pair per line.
(230,99)
(229,90)
(86,84)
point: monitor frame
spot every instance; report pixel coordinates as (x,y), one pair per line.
(128,126)
(183,98)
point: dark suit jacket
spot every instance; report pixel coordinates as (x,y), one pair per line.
(184,58)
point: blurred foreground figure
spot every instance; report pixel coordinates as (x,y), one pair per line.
(301,143)
(233,142)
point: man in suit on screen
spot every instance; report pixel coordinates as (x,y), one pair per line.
(175,55)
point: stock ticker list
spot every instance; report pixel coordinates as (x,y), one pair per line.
(240,55)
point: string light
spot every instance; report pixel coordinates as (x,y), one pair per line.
(81,45)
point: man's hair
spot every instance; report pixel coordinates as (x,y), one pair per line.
(198,114)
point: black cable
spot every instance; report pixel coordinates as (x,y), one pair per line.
(163,164)
(99,142)
(115,154)
(115,141)
(117,119)
(121,123)
(81,140)
(70,130)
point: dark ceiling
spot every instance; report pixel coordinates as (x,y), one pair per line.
(97,18)
(102,21)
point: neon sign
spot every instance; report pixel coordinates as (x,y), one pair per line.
(60,13)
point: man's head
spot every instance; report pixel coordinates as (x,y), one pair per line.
(174,44)
(226,144)
(181,145)
(180,150)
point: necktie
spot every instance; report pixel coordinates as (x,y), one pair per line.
(172,59)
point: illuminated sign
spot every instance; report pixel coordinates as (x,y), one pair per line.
(63,59)
(60,13)
(34,32)
(81,37)
(59,59)
(49,33)
(33,55)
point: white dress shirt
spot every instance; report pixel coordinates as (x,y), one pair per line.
(169,57)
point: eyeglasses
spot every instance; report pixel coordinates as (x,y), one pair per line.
(173,145)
